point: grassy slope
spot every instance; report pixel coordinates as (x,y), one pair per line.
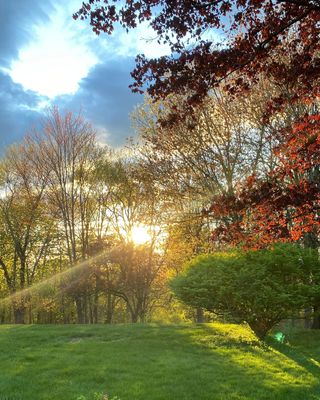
(152,362)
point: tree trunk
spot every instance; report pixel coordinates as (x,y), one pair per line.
(134,314)
(134,318)
(109,308)
(260,328)
(2,316)
(316,317)
(30,314)
(80,310)
(199,315)
(307,318)
(85,307)
(143,316)
(19,314)
(95,307)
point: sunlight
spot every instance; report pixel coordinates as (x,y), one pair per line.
(140,234)
(68,277)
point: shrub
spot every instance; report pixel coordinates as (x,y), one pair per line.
(257,287)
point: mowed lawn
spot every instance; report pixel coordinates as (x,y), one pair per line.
(155,362)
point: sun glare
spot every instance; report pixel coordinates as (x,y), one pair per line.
(140,234)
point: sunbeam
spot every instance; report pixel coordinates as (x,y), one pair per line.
(68,277)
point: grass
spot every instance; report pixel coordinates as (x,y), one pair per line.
(154,362)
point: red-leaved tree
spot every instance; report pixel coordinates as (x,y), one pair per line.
(284,205)
(253,33)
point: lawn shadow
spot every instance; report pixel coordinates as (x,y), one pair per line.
(305,360)
(268,371)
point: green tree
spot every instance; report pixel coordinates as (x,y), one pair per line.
(137,278)
(26,228)
(66,152)
(257,287)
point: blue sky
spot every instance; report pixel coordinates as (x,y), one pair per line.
(48,58)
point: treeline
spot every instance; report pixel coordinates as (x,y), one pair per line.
(67,202)
(230,139)
(69,207)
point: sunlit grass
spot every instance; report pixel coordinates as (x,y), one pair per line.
(154,362)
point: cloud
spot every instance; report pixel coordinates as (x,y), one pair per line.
(18,107)
(106,100)
(103,97)
(141,40)
(17,19)
(31,31)
(58,57)
(19,110)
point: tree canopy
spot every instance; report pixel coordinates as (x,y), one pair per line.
(258,287)
(253,34)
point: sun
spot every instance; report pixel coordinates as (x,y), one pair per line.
(140,234)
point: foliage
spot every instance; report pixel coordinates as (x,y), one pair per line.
(226,141)
(284,205)
(67,205)
(139,362)
(278,39)
(136,275)
(258,287)
(255,33)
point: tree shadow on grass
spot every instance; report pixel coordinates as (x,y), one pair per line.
(305,360)
(266,370)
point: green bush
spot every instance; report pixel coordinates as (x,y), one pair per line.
(257,287)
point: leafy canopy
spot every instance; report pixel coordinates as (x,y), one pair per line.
(282,206)
(257,287)
(254,32)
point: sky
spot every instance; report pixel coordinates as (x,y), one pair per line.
(47,58)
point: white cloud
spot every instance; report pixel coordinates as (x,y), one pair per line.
(103,136)
(141,40)
(63,51)
(58,58)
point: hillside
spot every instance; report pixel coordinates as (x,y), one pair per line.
(154,362)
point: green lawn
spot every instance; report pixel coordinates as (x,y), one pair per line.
(154,362)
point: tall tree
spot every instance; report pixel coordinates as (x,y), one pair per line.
(67,153)
(27,228)
(284,204)
(274,38)
(226,141)
(253,39)
(131,272)
(137,278)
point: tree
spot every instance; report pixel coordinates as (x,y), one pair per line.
(258,287)
(284,204)
(136,278)
(26,227)
(226,141)
(66,152)
(129,272)
(254,39)
(274,38)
